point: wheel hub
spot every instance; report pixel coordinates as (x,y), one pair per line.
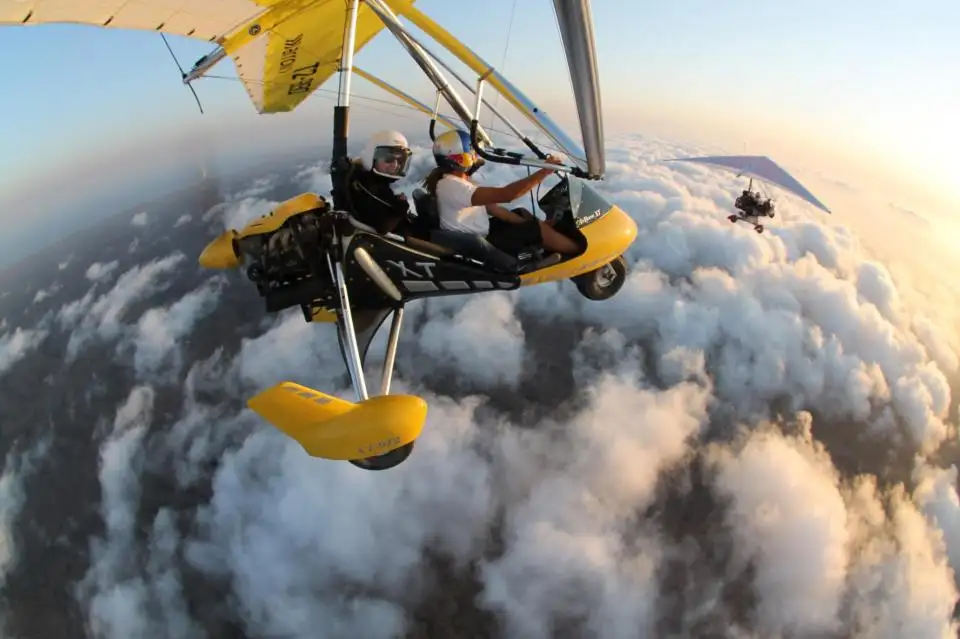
(606,276)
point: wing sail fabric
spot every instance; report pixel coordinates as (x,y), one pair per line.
(203,19)
(292,49)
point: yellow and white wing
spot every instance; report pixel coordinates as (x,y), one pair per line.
(283,49)
(293,48)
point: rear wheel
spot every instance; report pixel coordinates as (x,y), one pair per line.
(387,460)
(604,282)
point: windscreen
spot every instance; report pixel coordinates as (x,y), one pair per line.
(575,195)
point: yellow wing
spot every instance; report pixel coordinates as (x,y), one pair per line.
(293,48)
(283,49)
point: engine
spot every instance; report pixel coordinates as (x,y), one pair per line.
(287,263)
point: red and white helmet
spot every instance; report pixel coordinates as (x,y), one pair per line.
(452,149)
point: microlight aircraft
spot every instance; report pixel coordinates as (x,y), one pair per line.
(750,205)
(312,253)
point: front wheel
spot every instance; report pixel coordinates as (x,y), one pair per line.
(604,282)
(387,460)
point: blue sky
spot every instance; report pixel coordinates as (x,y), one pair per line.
(870,83)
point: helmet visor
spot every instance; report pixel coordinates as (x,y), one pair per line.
(392,161)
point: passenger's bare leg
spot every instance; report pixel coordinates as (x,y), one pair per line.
(556,241)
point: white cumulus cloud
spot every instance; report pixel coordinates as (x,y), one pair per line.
(98,270)
(101,316)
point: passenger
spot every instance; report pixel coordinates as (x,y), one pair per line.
(384,160)
(467,207)
(767,208)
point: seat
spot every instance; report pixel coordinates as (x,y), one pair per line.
(428,214)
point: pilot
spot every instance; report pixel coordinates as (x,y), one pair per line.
(467,207)
(748,202)
(384,160)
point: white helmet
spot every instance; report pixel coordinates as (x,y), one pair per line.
(387,153)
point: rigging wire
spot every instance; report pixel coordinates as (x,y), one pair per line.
(338,92)
(319,90)
(496,97)
(182,74)
(503,58)
(544,144)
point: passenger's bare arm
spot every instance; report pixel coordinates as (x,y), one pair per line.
(484,195)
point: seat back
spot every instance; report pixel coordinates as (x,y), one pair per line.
(428,213)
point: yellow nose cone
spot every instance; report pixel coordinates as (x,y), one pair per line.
(220,254)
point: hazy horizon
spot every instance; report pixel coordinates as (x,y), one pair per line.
(115,175)
(853,91)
